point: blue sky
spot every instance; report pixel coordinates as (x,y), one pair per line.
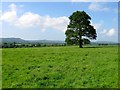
(48,20)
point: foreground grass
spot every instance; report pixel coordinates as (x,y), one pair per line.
(56,67)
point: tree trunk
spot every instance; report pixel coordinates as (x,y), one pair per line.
(80,37)
(80,42)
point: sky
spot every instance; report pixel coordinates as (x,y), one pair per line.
(49,20)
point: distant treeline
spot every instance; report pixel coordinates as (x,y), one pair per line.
(23,45)
(105,44)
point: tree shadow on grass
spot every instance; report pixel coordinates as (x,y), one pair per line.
(92,47)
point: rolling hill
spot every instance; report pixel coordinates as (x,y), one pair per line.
(19,40)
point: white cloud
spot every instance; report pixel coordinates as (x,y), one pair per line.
(9,17)
(97,7)
(59,23)
(43,22)
(29,19)
(109,33)
(13,7)
(97,26)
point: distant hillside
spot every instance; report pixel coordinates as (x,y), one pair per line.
(19,40)
(46,41)
(104,42)
(11,40)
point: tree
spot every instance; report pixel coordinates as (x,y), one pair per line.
(14,44)
(79,26)
(86,41)
(5,45)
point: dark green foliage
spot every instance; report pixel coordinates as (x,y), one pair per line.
(86,41)
(79,26)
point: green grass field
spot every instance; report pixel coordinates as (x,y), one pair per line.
(60,67)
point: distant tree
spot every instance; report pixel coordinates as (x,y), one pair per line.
(14,44)
(38,45)
(44,45)
(79,26)
(11,45)
(32,45)
(5,45)
(22,45)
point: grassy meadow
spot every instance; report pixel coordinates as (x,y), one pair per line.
(60,67)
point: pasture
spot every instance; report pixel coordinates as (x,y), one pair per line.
(60,67)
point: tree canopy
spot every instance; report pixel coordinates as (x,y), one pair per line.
(78,27)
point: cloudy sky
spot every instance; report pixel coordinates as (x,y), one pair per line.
(48,20)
